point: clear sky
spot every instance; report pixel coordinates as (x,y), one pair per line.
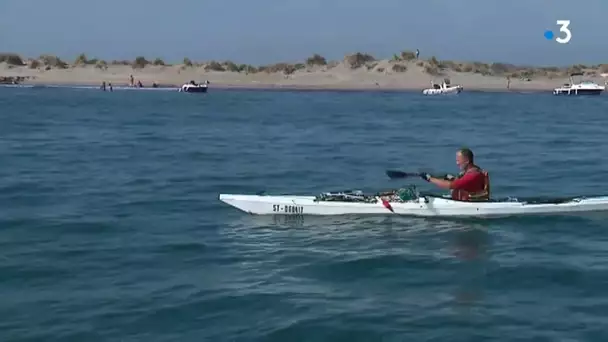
(267,31)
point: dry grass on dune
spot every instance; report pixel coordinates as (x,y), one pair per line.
(11,59)
(399,63)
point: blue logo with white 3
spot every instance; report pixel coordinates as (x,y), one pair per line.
(563,28)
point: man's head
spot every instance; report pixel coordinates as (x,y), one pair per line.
(464,158)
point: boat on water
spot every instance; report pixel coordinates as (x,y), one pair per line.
(193,87)
(408,202)
(585,87)
(444,88)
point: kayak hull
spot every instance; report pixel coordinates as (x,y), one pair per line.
(423,207)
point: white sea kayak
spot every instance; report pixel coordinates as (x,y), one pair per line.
(426,206)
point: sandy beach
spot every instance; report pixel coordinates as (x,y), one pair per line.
(356,71)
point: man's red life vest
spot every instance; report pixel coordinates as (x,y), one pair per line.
(471,185)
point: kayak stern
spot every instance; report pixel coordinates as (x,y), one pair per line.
(264,205)
(300,205)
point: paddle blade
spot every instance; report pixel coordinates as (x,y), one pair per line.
(394,174)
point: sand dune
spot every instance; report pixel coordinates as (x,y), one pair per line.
(368,74)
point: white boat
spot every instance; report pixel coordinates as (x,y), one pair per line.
(585,87)
(444,88)
(348,203)
(192,87)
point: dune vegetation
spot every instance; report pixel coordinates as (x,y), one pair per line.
(399,63)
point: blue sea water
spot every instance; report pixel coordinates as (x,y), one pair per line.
(110,227)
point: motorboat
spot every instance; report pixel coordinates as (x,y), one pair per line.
(444,88)
(193,87)
(585,87)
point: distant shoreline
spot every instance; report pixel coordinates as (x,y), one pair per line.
(271,88)
(357,72)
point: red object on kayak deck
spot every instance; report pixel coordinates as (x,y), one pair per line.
(387,205)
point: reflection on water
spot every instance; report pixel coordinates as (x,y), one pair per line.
(291,221)
(458,250)
(471,242)
(470,246)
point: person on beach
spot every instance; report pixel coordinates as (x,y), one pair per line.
(417,53)
(472,184)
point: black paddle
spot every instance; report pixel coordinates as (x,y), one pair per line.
(394,174)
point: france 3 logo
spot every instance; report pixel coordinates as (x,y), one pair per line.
(564,29)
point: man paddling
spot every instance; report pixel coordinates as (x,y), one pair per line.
(472,184)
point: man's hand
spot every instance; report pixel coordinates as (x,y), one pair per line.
(425,176)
